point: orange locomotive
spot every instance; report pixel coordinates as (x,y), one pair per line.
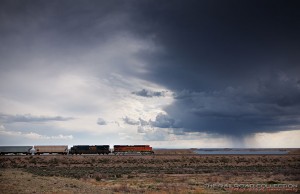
(122,149)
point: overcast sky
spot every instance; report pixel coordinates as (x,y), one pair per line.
(184,74)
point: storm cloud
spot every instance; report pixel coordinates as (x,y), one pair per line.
(232,72)
(213,45)
(273,105)
(164,69)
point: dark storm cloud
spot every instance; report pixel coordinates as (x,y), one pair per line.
(273,105)
(51,30)
(69,21)
(149,93)
(233,65)
(215,44)
(27,118)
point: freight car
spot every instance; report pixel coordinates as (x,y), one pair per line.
(123,149)
(15,150)
(90,149)
(51,149)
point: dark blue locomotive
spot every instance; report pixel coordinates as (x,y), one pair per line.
(89,149)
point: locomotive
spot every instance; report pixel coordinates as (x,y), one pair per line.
(76,149)
(89,149)
(123,149)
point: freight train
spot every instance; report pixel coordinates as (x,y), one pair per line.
(76,149)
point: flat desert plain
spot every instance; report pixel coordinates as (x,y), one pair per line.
(167,171)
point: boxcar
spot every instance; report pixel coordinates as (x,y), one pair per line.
(122,149)
(90,149)
(15,150)
(51,149)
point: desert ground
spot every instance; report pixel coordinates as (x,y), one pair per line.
(167,171)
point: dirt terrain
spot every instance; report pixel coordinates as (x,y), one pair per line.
(175,171)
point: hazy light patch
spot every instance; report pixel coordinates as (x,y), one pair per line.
(161,135)
(193,142)
(282,139)
(12,135)
(11,106)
